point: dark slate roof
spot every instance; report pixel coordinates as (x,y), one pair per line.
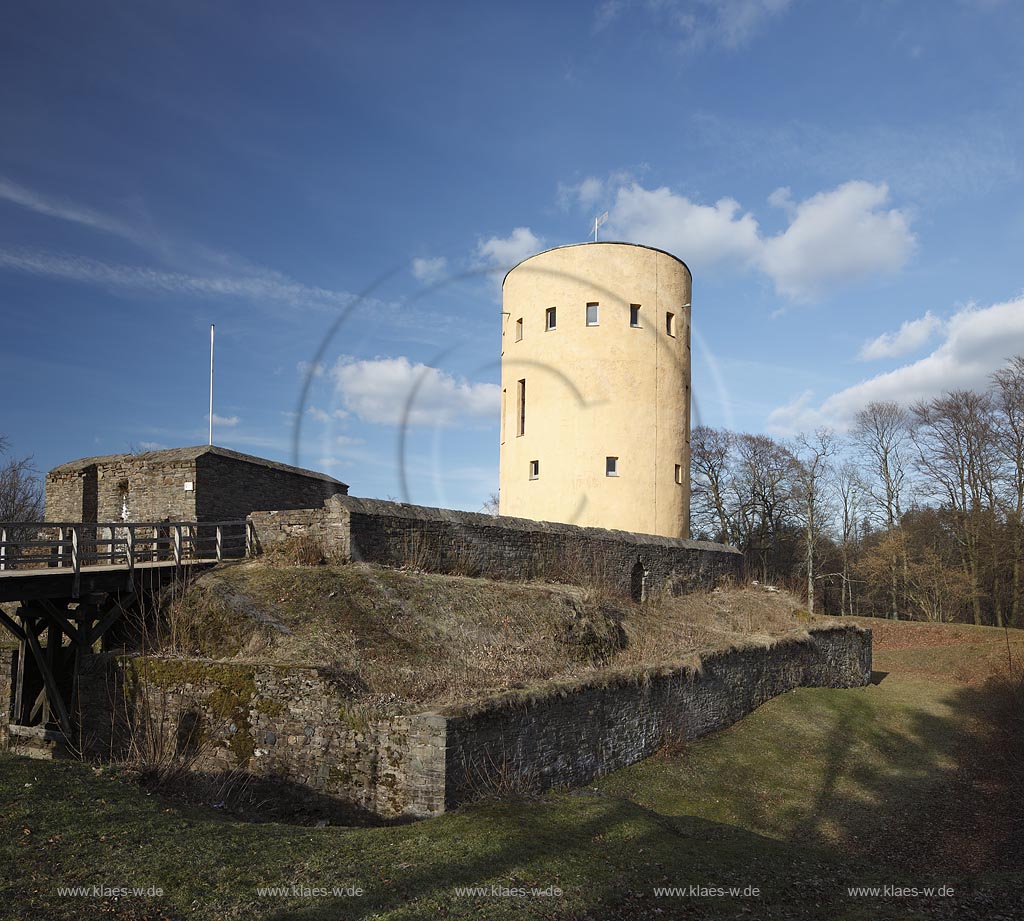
(173,455)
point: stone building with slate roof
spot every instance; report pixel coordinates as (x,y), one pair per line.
(202,483)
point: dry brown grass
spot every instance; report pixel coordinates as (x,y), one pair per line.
(414,638)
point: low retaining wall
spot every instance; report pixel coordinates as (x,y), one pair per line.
(299,725)
(468,543)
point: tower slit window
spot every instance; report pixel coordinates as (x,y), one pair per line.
(670,324)
(519,329)
(611,466)
(534,469)
(521,422)
(550,318)
(634,316)
(592,315)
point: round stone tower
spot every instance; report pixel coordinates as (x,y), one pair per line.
(595,387)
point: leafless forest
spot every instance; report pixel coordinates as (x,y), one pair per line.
(916,513)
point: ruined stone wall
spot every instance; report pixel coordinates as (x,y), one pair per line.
(570,735)
(66,494)
(302,727)
(444,540)
(297,726)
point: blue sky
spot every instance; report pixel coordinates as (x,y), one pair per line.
(843,179)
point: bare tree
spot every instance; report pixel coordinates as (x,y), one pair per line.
(710,462)
(21,494)
(850,492)
(810,475)
(1008,394)
(955,436)
(882,433)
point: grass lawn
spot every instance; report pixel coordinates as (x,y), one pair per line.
(911,782)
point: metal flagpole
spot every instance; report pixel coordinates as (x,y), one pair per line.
(211,383)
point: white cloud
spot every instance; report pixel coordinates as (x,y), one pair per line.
(151,446)
(228,422)
(700,23)
(978,341)
(428,270)
(65,211)
(838,236)
(506,252)
(911,335)
(833,237)
(265,286)
(699,234)
(322,415)
(380,390)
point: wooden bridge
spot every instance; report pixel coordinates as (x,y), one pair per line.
(76,580)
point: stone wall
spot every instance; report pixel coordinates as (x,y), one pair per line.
(188,484)
(297,726)
(66,495)
(301,726)
(443,540)
(228,488)
(8,657)
(102,492)
(572,734)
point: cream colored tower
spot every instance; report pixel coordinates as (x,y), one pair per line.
(595,387)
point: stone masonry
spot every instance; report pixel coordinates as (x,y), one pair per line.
(203,483)
(467,543)
(302,726)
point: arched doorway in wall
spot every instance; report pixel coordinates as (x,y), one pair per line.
(638,581)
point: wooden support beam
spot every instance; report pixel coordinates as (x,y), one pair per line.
(53,696)
(54,613)
(12,625)
(111,617)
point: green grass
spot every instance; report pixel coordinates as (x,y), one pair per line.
(906,782)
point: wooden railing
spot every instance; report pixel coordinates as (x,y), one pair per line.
(75,544)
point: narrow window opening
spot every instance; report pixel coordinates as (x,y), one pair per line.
(534,469)
(503,396)
(679,474)
(592,314)
(611,466)
(670,323)
(549,318)
(638,582)
(519,329)
(521,424)
(634,316)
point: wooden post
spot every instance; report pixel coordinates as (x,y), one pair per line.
(3,548)
(53,698)
(177,545)
(76,558)
(220,544)
(61,534)
(130,549)
(250,539)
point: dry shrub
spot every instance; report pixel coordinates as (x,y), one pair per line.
(298,550)
(668,628)
(493,776)
(593,573)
